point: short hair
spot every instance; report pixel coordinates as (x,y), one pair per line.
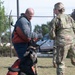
(59,6)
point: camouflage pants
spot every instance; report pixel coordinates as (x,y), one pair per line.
(54,55)
(69,54)
(61,56)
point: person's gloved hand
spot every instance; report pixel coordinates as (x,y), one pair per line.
(34,36)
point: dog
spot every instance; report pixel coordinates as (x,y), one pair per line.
(28,64)
(29,61)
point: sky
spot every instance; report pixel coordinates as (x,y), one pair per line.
(41,8)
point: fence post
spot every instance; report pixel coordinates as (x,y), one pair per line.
(10,33)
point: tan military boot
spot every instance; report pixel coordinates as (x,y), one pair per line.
(73,61)
(54,65)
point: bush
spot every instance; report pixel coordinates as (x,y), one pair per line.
(6,51)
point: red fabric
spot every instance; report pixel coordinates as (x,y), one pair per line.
(15,65)
(33,69)
(35,39)
(19,36)
(12,73)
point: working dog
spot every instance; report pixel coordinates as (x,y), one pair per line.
(28,64)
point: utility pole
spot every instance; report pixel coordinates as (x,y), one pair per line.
(17,9)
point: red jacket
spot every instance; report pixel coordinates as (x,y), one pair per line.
(22,31)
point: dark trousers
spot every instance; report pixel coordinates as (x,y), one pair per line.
(20,49)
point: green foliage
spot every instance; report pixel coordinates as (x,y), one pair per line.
(44,29)
(5,51)
(4,21)
(6,37)
(37,29)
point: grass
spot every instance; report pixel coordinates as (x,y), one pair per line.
(45,66)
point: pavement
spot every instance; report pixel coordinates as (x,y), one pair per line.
(44,54)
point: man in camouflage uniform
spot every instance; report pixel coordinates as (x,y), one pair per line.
(54,51)
(62,31)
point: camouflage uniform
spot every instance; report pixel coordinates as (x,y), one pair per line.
(62,30)
(54,57)
(54,51)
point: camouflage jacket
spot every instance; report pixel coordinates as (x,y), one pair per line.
(62,29)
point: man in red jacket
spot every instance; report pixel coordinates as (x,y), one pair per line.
(22,35)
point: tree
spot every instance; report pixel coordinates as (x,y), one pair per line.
(45,29)
(37,29)
(4,21)
(6,37)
